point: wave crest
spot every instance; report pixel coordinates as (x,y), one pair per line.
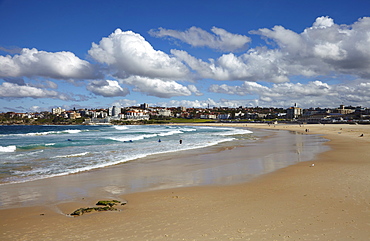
(11,148)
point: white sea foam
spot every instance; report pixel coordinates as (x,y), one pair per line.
(37,133)
(43,133)
(236,132)
(73,155)
(120,127)
(39,173)
(11,148)
(170,133)
(36,152)
(143,155)
(72,131)
(192,146)
(188,129)
(27,154)
(132,137)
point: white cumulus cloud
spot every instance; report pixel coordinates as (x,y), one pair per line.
(124,103)
(220,39)
(256,64)
(285,90)
(312,94)
(58,65)
(127,54)
(324,48)
(12,90)
(195,90)
(188,103)
(209,102)
(107,88)
(157,87)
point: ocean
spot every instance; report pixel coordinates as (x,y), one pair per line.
(30,153)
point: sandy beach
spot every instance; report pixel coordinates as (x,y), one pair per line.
(324,199)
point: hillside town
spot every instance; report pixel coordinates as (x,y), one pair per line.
(144,114)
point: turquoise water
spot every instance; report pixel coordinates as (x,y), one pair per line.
(36,152)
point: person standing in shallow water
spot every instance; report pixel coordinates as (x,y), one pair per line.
(180,141)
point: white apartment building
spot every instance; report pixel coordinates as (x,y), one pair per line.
(136,115)
(164,112)
(57,111)
(114,111)
(293,112)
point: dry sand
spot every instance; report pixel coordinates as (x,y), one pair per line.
(327,201)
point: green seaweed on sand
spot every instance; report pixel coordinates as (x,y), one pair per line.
(109,203)
(108,206)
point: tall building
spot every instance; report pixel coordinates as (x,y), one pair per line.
(293,112)
(114,111)
(144,106)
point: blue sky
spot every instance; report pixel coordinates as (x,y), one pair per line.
(94,54)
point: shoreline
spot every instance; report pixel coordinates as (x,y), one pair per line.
(226,163)
(329,201)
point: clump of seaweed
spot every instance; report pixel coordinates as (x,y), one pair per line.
(107,206)
(109,203)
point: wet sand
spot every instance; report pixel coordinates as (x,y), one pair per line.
(327,201)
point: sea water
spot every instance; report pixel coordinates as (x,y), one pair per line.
(37,152)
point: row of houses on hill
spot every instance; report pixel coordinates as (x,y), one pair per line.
(145,112)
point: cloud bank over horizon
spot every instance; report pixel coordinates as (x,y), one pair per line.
(325,65)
